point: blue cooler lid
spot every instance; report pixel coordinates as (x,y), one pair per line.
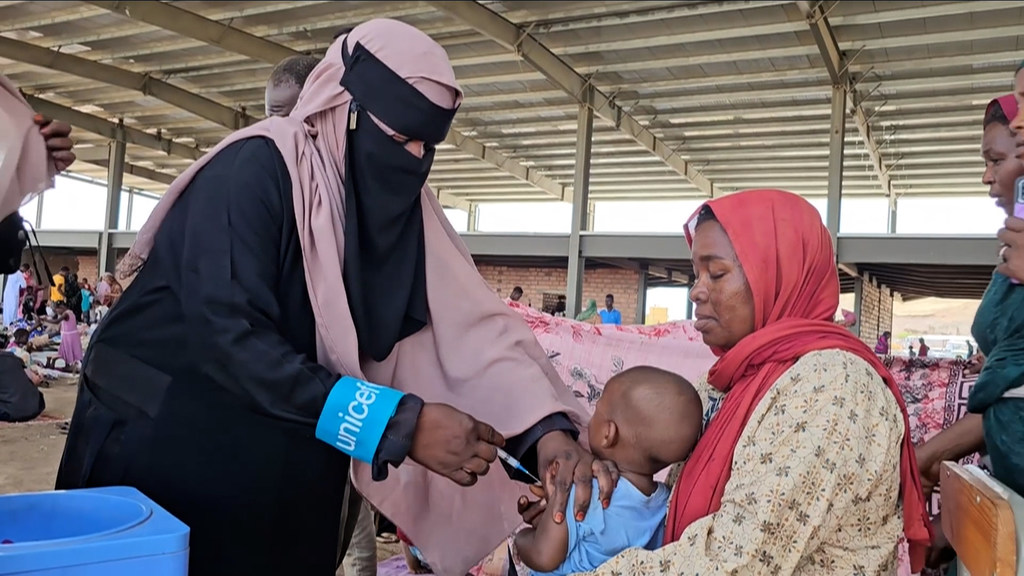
(51,530)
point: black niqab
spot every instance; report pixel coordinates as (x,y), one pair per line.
(385,261)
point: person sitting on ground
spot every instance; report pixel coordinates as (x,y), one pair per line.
(647,420)
(882,346)
(28,309)
(285,82)
(20,398)
(19,346)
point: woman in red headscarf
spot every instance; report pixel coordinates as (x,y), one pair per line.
(805,466)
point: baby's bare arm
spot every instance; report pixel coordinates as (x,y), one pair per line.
(543,548)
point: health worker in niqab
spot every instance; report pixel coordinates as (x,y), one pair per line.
(300,305)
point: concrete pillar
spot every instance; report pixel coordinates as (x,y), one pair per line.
(858,304)
(892,213)
(641,295)
(128,213)
(39,212)
(115,179)
(580,203)
(836,148)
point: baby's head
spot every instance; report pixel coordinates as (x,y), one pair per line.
(21,337)
(646,420)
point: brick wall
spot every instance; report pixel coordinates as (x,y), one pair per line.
(85,265)
(536,282)
(88,267)
(875,311)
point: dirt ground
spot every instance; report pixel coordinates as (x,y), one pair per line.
(30,452)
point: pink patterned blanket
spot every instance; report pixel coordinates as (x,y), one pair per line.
(586,356)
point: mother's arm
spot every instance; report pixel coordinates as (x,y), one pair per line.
(965,437)
(814,446)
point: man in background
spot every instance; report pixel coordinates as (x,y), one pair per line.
(285,83)
(516,294)
(57,289)
(609,315)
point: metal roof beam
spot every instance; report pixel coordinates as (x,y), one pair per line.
(111,130)
(510,166)
(139,171)
(569,80)
(142,83)
(191,25)
(837,65)
(230,12)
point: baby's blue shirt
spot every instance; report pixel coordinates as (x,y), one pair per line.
(633,520)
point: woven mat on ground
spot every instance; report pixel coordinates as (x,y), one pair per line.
(41,419)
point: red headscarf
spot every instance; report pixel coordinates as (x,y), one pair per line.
(787,256)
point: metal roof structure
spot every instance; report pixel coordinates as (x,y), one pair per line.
(693,98)
(690,99)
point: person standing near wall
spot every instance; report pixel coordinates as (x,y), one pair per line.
(610,315)
(12,294)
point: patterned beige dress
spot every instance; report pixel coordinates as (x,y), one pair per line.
(814,487)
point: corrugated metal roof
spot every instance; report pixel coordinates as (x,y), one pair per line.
(737,88)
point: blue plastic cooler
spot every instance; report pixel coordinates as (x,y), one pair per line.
(96,532)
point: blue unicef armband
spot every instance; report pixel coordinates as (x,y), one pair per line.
(355,416)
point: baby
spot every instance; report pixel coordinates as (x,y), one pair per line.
(646,420)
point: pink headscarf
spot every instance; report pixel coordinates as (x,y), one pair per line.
(1007,103)
(475,354)
(25,165)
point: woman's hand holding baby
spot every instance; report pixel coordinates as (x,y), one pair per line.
(574,466)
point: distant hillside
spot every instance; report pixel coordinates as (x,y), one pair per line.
(937,316)
(934,316)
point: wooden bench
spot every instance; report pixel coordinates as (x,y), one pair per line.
(983,520)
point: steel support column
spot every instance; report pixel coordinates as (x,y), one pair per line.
(641,296)
(39,211)
(858,302)
(128,212)
(580,204)
(115,179)
(836,148)
(471,222)
(893,206)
